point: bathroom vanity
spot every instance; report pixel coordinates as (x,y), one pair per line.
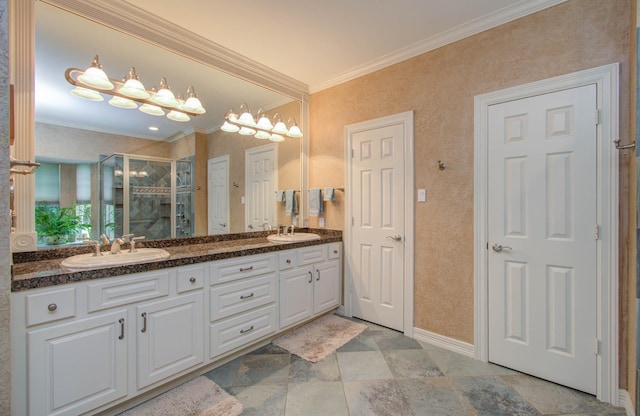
(85,342)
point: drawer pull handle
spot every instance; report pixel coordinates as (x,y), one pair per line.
(244,331)
(121,322)
(192,280)
(335,251)
(52,307)
(318,278)
(144,322)
(250,295)
(310,277)
(288,261)
(246,268)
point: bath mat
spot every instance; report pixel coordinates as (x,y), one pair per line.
(198,397)
(320,338)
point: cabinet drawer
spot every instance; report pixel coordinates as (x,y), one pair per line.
(286,259)
(313,254)
(190,278)
(134,288)
(241,330)
(241,267)
(334,250)
(232,298)
(51,306)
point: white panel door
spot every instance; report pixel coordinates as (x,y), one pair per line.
(218,195)
(377,243)
(261,185)
(542,229)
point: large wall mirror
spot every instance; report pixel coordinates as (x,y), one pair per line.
(130,172)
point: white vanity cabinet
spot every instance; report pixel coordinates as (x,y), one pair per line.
(310,282)
(77,366)
(242,301)
(85,346)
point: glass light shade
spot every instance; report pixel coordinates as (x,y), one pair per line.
(153,110)
(246,119)
(165,97)
(87,94)
(294,131)
(178,116)
(232,116)
(276,138)
(122,102)
(193,105)
(264,123)
(262,135)
(134,89)
(96,78)
(228,127)
(280,128)
(247,131)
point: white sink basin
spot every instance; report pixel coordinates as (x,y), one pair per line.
(292,238)
(82,262)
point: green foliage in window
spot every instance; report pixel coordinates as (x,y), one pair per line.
(58,225)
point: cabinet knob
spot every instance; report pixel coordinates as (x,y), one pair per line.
(192,280)
(52,307)
(335,251)
(288,261)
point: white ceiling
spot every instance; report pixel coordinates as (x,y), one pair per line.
(320,43)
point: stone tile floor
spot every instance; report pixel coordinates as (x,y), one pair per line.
(382,372)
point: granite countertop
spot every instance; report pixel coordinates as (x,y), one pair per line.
(42,268)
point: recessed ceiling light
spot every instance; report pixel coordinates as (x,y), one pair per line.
(153,128)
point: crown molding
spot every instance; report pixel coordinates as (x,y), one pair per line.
(500,17)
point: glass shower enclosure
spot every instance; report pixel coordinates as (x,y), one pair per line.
(146,196)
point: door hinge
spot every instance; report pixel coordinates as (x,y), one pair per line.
(596,232)
(597,117)
(353,222)
(597,347)
(352,153)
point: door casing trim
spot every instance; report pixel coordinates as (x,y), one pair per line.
(406,119)
(606,79)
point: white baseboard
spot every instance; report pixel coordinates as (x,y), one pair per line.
(624,400)
(443,342)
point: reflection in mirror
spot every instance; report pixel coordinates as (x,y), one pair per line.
(74,135)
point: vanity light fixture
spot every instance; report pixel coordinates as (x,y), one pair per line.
(246,125)
(91,83)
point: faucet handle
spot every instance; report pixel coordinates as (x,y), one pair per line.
(140,237)
(104,239)
(126,237)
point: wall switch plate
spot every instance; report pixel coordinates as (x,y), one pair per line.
(242,200)
(422,195)
(321,222)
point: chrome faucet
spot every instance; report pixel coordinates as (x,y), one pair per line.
(292,229)
(132,248)
(266,226)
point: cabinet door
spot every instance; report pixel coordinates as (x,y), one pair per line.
(170,337)
(296,295)
(79,366)
(326,293)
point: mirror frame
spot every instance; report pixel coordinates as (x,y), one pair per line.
(146,27)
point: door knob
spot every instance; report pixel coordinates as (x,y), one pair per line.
(499,247)
(395,237)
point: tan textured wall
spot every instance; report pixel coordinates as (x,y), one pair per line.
(439,87)
(221,143)
(68,184)
(200,182)
(65,143)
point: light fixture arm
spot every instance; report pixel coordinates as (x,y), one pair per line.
(71,75)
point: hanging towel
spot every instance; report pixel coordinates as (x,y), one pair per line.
(280,195)
(315,202)
(329,194)
(291,202)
